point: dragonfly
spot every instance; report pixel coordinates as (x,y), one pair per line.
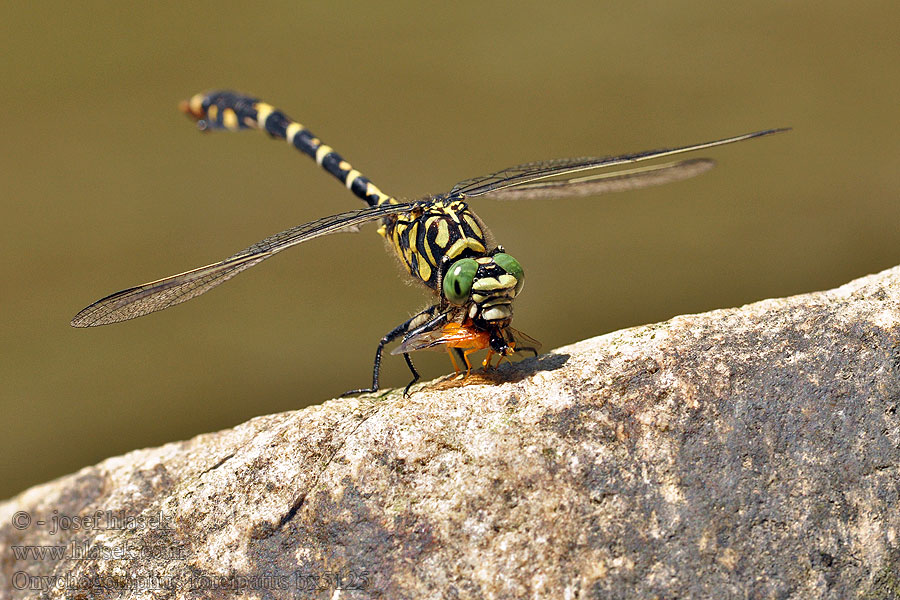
(439,240)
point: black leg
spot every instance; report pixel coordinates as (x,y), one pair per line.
(426,326)
(376,370)
(415,373)
(402,328)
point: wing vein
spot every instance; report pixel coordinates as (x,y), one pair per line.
(163,293)
(536,171)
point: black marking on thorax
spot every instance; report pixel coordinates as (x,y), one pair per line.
(432,230)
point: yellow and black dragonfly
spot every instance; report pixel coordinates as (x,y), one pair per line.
(438,239)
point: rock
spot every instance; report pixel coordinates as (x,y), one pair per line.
(741,453)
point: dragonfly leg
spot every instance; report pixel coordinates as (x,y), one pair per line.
(429,324)
(412,368)
(379,352)
(409,327)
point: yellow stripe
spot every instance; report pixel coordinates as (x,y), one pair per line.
(424,270)
(443,234)
(230,120)
(486,284)
(428,252)
(196,103)
(413,234)
(372,190)
(212,112)
(263,111)
(463,243)
(429,222)
(398,230)
(321,152)
(473,224)
(292,130)
(450,210)
(351,177)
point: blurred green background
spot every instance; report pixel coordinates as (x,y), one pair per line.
(105,185)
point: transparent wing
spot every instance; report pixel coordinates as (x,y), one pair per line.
(462,336)
(604,183)
(529,172)
(427,340)
(163,293)
(524,341)
(434,339)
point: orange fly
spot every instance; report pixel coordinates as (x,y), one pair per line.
(465,338)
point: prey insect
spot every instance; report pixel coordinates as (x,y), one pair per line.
(438,239)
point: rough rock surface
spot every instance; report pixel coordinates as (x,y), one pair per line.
(741,453)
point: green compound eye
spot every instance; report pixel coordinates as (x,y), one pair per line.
(458,280)
(511,266)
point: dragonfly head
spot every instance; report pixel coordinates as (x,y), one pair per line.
(485,286)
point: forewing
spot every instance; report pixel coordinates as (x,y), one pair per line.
(163,293)
(529,172)
(604,183)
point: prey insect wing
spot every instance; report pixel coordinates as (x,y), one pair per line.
(461,335)
(524,341)
(449,334)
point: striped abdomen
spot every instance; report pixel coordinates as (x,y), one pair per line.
(233,111)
